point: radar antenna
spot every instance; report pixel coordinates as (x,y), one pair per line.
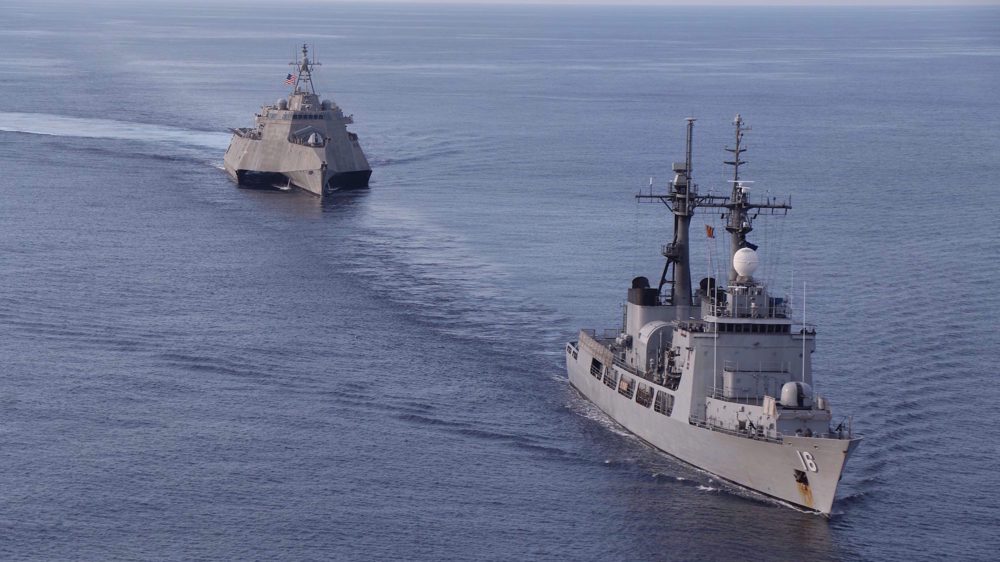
(304,68)
(683,199)
(738,224)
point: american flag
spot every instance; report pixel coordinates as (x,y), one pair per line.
(290,79)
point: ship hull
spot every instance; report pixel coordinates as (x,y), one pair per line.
(349,180)
(318,170)
(765,466)
(307,180)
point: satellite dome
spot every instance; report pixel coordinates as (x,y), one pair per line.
(282,103)
(796,395)
(745,262)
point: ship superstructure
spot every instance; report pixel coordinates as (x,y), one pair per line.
(299,141)
(718,375)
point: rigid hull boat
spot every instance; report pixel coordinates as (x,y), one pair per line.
(299,141)
(718,376)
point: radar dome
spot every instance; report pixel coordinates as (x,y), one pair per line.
(796,395)
(282,103)
(745,262)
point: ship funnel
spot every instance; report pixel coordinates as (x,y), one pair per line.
(641,294)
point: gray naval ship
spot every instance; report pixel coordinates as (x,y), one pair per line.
(299,141)
(719,377)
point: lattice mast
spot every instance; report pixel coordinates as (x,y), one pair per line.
(304,66)
(738,219)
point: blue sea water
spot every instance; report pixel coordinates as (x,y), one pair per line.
(195,371)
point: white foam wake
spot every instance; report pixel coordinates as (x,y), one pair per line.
(62,126)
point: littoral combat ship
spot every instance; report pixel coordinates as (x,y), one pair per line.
(719,378)
(299,141)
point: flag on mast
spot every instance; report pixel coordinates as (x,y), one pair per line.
(289,80)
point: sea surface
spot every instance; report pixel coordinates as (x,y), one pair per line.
(189,370)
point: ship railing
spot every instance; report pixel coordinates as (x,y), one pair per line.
(760,368)
(606,335)
(775,436)
(246,133)
(800,328)
(758,435)
(305,142)
(723,311)
(694,326)
(621,364)
(748,399)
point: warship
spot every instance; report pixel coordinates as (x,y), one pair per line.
(718,375)
(299,142)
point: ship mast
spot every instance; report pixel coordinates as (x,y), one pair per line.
(304,68)
(683,199)
(738,224)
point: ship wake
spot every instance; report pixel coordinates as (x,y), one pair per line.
(65,126)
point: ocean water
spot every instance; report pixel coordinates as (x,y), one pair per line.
(195,371)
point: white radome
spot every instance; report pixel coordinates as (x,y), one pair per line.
(745,262)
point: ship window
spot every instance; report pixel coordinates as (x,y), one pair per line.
(596,367)
(610,378)
(664,403)
(644,395)
(626,386)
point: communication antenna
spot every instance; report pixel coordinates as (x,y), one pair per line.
(804,330)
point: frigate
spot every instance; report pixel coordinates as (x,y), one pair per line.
(299,141)
(718,375)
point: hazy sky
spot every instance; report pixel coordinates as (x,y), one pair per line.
(943,3)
